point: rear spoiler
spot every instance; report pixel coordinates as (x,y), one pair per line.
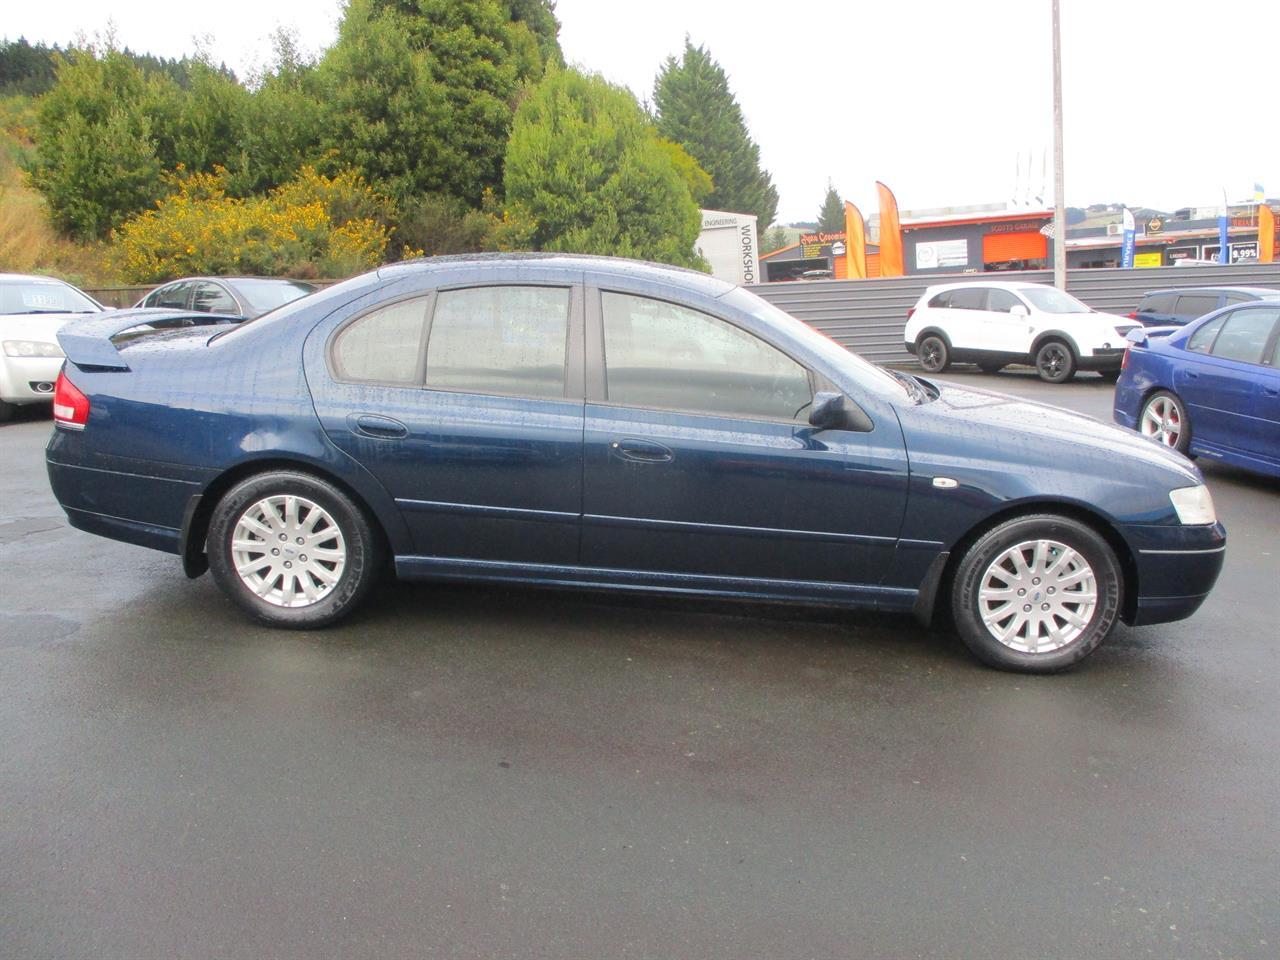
(87,343)
(1139,337)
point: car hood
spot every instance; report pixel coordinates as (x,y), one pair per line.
(36,326)
(968,421)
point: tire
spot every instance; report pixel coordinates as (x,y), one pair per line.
(6,410)
(296,506)
(1024,640)
(1055,362)
(1163,418)
(933,353)
(988,366)
(1111,376)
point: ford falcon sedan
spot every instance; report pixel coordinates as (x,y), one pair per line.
(584,422)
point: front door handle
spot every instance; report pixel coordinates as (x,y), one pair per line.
(1192,375)
(642,451)
(379,428)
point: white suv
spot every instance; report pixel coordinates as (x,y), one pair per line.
(997,323)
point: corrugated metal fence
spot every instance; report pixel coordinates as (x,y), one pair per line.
(868,316)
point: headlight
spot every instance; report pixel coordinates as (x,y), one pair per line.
(30,348)
(1193,504)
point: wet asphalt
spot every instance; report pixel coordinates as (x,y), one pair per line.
(475,772)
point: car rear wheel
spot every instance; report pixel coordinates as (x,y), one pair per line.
(1055,362)
(933,354)
(1036,594)
(6,410)
(1164,419)
(292,550)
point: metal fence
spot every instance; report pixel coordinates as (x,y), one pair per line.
(868,316)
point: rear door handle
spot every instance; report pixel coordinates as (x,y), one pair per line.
(379,428)
(1271,391)
(1192,375)
(642,451)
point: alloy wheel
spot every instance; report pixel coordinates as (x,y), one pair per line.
(1162,420)
(288,550)
(1038,596)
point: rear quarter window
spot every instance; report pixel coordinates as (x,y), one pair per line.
(1157,303)
(941,300)
(1202,340)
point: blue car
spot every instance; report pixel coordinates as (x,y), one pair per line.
(595,423)
(1174,308)
(1211,388)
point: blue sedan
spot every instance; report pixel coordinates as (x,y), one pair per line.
(1211,388)
(594,423)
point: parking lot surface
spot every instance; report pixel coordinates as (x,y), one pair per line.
(482,772)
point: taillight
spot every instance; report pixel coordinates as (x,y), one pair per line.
(1133,315)
(70,406)
(910,311)
(1124,360)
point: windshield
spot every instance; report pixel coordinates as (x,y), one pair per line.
(867,374)
(1051,300)
(268,294)
(19,297)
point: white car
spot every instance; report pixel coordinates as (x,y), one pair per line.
(997,323)
(32,310)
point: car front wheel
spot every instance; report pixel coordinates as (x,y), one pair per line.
(292,550)
(1036,594)
(1055,362)
(1164,419)
(933,353)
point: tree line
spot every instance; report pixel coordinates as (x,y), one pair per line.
(461,116)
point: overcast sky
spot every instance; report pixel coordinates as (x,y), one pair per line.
(1167,102)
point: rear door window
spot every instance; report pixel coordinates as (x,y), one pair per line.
(1196,304)
(172,297)
(969,298)
(211,298)
(1002,301)
(662,356)
(383,346)
(1245,334)
(505,340)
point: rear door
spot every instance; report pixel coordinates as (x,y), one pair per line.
(1008,332)
(466,404)
(964,320)
(1223,390)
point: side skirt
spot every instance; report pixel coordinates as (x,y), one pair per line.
(855,596)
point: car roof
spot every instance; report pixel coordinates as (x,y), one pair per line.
(27,277)
(1258,290)
(1002,284)
(588,263)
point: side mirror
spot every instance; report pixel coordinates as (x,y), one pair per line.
(1018,310)
(827,410)
(833,411)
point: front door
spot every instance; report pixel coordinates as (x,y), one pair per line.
(700,460)
(465,405)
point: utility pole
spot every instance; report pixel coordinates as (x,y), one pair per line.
(1059,201)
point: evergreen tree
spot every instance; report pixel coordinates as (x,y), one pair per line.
(696,109)
(102,138)
(831,215)
(585,173)
(419,93)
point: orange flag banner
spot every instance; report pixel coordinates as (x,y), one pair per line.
(855,238)
(890,233)
(1266,234)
